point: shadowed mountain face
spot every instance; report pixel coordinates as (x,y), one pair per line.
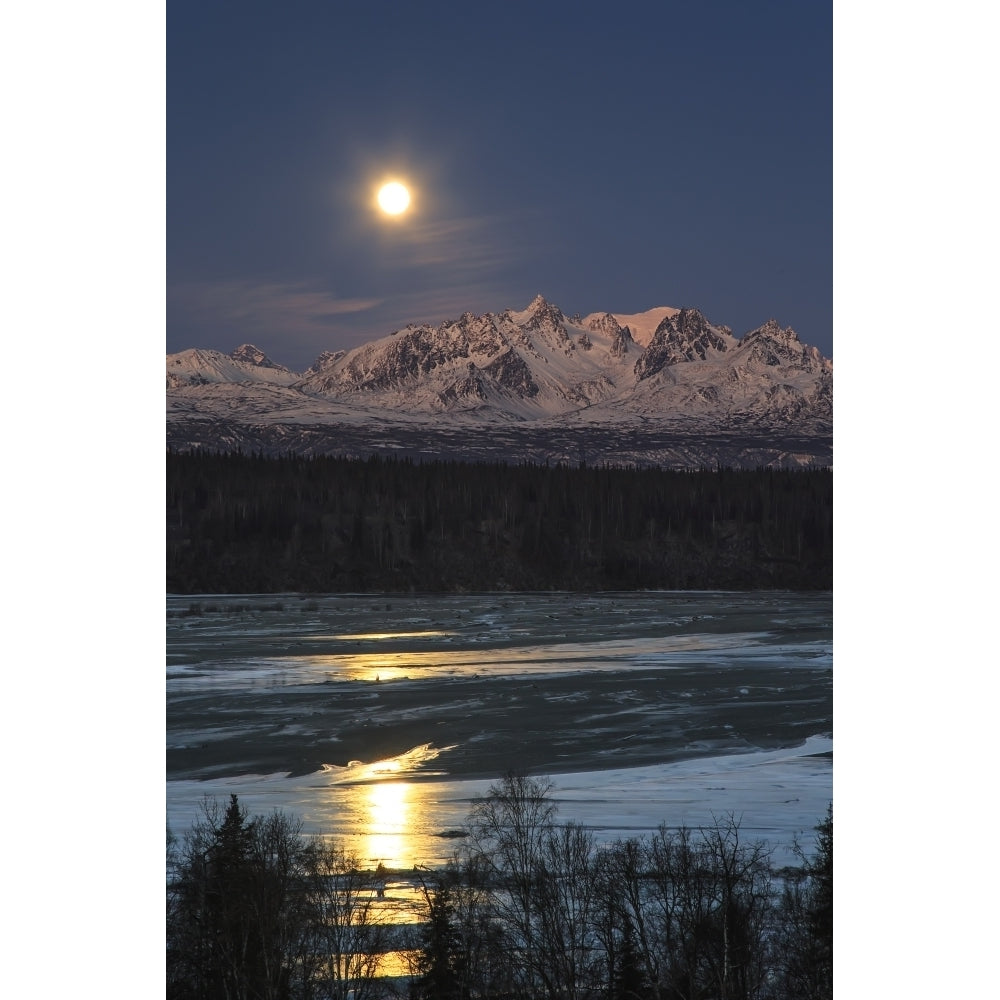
(665,387)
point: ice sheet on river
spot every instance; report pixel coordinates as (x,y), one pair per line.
(776,794)
(378,719)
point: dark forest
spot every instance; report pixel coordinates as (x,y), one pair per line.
(240,523)
(529,909)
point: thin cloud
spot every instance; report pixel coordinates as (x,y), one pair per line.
(293,307)
(461,246)
(437,305)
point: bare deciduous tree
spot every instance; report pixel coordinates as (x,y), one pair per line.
(350,935)
(567,944)
(508,829)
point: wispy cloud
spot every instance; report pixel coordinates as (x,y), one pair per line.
(437,304)
(460,247)
(288,307)
(426,271)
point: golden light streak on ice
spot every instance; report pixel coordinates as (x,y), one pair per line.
(506,661)
(357,772)
(386,841)
(384,806)
(374,636)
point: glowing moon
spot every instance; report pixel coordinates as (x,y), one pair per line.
(393,198)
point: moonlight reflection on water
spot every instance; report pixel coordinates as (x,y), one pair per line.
(386,836)
(378,719)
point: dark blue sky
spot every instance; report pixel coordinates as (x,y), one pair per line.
(612,157)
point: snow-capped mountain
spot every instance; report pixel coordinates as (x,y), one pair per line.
(532,375)
(246,364)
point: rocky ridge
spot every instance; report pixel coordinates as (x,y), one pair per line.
(534,369)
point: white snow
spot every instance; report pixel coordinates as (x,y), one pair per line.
(641,325)
(778,796)
(426,379)
(214,366)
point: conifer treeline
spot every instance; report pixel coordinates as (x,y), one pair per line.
(250,524)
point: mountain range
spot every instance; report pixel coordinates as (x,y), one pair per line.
(663,387)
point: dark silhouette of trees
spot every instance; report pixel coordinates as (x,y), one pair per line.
(248,524)
(682,915)
(255,911)
(508,831)
(237,923)
(349,933)
(806,936)
(442,961)
(531,908)
(568,953)
(690,914)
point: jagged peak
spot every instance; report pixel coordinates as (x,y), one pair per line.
(541,314)
(604,323)
(623,338)
(251,355)
(774,330)
(324,360)
(684,336)
(689,327)
(775,346)
(685,323)
(540,309)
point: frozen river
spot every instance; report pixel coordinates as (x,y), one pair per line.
(378,719)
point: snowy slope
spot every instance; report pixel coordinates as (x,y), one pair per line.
(527,364)
(665,368)
(642,325)
(246,364)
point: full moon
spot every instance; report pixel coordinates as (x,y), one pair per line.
(393,198)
